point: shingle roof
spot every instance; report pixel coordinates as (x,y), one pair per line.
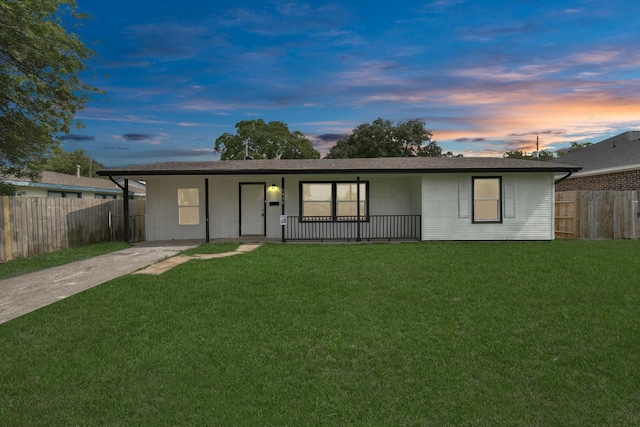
(377,165)
(76,181)
(61,180)
(620,151)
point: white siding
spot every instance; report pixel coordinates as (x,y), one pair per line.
(162,209)
(224,221)
(533,205)
(434,196)
(388,195)
(225,205)
(33,191)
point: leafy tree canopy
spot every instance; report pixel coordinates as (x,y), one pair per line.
(575,146)
(382,138)
(65,162)
(543,155)
(40,87)
(261,140)
(7,189)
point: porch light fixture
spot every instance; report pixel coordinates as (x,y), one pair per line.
(274,187)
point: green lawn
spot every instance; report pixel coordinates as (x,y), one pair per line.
(544,333)
(28,265)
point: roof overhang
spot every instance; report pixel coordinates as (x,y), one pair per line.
(342,166)
(47,186)
(607,170)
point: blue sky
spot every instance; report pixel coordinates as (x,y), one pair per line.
(486,76)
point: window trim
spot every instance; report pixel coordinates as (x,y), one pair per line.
(364,217)
(197,206)
(500,201)
(102,196)
(65,194)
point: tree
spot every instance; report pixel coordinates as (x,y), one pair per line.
(516,154)
(260,140)
(7,189)
(65,162)
(40,87)
(543,155)
(382,139)
(575,146)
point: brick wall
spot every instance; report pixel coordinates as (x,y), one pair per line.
(618,181)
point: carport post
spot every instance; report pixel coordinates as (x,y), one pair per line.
(126,211)
(125,206)
(282,202)
(206,208)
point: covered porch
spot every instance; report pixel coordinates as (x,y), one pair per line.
(366,228)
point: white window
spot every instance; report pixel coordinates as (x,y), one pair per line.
(317,200)
(347,199)
(188,206)
(487,203)
(333,201)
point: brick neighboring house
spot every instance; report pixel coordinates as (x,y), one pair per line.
(612,164)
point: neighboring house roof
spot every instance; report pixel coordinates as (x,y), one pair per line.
(616,154)
(321,166)
(138,188)
(61,181)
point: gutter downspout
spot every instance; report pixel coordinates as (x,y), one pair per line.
(125,192)
(558,181)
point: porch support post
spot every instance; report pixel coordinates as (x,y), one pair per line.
(206,208)
(125,205)
(358,208)
(126,211)
(282,204)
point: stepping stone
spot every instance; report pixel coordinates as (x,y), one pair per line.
(165,265)
(169,263)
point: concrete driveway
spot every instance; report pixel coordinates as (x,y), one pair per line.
(23,294)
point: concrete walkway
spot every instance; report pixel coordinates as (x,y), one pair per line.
(23,294)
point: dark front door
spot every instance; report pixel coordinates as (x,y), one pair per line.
(252,209)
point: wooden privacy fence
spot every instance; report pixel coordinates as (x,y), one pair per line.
(36,225)
(597,215)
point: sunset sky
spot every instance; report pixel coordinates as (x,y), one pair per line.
(486,76)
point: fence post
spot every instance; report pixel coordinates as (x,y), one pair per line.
(6,214)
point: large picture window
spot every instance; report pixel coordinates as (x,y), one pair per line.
(333,201)
(487,201)
(188,206)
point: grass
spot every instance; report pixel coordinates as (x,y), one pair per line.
(29,265)
(542,333)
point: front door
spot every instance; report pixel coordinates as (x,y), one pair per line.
(252,209)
